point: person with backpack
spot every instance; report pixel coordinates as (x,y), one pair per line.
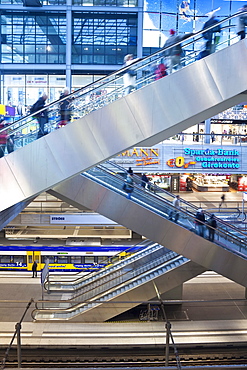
(174,53)
(211,36)
(42,117)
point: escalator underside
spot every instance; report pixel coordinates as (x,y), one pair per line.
(143,118)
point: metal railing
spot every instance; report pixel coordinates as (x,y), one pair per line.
(111,88)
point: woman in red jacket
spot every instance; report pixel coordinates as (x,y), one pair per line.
(3,138)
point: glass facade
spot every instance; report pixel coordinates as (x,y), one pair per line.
(33,37)
(62,43)
(103,38)
(183,16)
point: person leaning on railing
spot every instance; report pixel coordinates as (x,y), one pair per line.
(241,23)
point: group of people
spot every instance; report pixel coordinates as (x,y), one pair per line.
(42,117)
(174,54)
(200,220)
(128,185)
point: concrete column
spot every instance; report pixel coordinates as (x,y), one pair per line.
(68,44)
(207,131)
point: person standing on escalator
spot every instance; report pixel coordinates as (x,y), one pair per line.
(42,117)
(175,213)
(211,36)
(200,222)
(212,224)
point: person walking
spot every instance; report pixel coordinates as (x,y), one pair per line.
(144,183)
(129,185)
(241,23)
(223,199)
(160,70)
(211,36)
(129,78)
(176,204)
(212,225)
(34,269)
(42,117)
(65,108)
(174,53)
(200,221)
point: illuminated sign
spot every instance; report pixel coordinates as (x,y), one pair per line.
(207,158)
(145,156)
(179,162)
(215,158)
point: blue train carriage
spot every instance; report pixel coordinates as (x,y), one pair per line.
(60,258)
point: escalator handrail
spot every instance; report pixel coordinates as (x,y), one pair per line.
(165,200)
(81,278)
(121,71)
(219,230)
(161,190)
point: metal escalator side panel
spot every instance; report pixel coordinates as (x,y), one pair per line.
(155,227)
(145,117)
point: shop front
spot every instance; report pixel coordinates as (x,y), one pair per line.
(185,168)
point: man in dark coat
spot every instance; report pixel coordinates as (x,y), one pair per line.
(200,221)
(175,52)
(34,269)
(210,35)
(65,108)
(212,226)
(42,116)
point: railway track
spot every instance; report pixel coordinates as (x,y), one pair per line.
(126,357)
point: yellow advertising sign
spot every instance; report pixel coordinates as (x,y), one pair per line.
(2,109)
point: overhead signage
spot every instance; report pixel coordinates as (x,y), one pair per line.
(80,219)
(143,156)
(228,121)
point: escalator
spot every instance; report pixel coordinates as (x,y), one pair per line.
(120,287)
(148,213)
(107,124)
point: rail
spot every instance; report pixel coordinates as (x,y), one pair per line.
(111,88)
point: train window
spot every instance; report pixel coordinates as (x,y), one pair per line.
(50,258)
(89,259)
(75,259)
(19,259)
(6,259)
(62,259)
(102,259)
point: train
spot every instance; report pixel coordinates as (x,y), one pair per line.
(61,258)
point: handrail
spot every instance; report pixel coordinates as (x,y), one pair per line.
(229,234)
(100,286)
(144,244)
(160,190)
(102,296)
(113,78)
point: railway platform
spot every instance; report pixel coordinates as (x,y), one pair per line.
(213,310)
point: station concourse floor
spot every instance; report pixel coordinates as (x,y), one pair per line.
(214,310)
